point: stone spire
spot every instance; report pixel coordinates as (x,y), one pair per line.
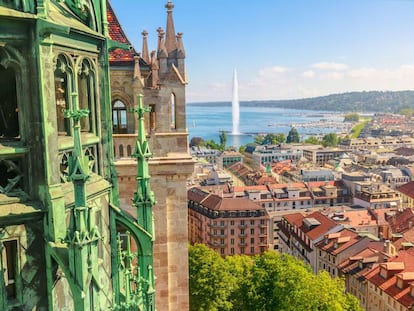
(170,42)
(145,52)
(162,51)
(180,46)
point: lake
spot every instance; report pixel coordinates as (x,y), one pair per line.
(207,121)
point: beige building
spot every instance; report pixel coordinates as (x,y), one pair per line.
(160,76)
(227,224)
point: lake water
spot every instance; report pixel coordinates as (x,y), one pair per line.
(206,121)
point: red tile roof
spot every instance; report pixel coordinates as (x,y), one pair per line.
(388,285)
(116,33)
(407,189)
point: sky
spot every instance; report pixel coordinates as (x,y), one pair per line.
(283,49)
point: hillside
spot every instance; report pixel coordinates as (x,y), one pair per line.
(372,101)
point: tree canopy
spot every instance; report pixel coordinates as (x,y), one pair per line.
(293,136)
(268,282)
(330,140)
(270,139)
(351,117)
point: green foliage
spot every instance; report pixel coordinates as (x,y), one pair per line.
(312,140)
(196,141)
(242,148)
(293,136)
(409,112)
(211,282)
(270,139)
(351,117)
(330,140)
(268,282)
(212,144)
(357,129)
(223,140)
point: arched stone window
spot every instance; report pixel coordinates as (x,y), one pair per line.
(87,95)
(9,111)
(119,117)
(63,89)
(121,151)
(129,150)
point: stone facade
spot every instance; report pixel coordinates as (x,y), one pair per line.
(160,77)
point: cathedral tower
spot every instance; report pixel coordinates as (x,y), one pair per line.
(161,77)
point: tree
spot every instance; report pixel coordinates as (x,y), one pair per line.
(211,144)
(267,282)
(273,139)
(330,140)
(312,140)
(223,140)
(210,280)
(196,141)
(351,117)
(293,136)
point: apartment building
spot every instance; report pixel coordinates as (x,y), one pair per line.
(321,156)
(228,224)
(299,233)
(265,155)
(391,284)
(375,196)
(338,246)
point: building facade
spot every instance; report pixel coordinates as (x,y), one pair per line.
(64,242)
(161,77)
(230,226)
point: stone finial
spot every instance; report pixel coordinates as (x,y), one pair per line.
(180,45)
(137,70)
(162,52)
(170,41)
(145,53)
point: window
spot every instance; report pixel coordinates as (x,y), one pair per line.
(9,256)
(119,117)
(241,250)
(63,88)
(232,241)
(152,119)
(252,250)
(86,95)
(231,231)
(252,222)
(9,121)
(251,240)
(231,222)
(232,250)
(251,231)
(172,111)
(241,231)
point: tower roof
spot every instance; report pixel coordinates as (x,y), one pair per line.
(170,40)
(116,33)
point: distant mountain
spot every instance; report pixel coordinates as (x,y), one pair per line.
(371,101)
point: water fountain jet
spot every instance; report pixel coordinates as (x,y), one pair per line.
(235,105)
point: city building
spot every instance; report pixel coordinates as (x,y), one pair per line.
(267,154)
(228,158)
(370,195)
(390,284)
(337,247)
(65,243)
(161,77)
(321,156)
(299,233)
(230,225)
(406,192)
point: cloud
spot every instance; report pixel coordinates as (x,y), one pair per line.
(329,66)
(308,74)
(278,82)
(273,70)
